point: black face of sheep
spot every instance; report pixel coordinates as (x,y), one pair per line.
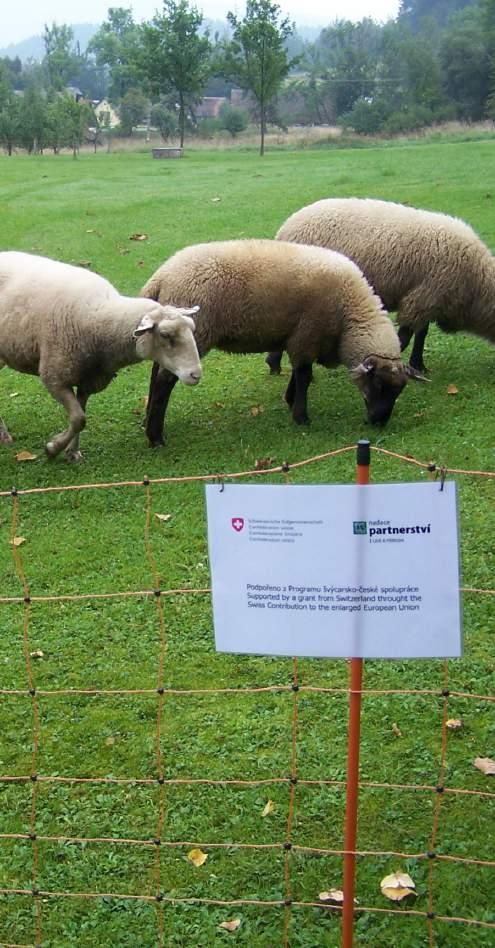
(381,381)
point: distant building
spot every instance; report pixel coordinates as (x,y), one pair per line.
(209,107)
(105,113)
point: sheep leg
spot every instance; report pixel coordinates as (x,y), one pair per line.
(405,335)
(77,418)
(5,437)
(72,451)
(302,376)
(162,384)
(416,360)
(273,360)
(290,392)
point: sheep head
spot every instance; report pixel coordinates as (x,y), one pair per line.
(165,334)
(381,381)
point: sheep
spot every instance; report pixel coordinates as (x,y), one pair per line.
(428,266)
(258,294)
(73,329)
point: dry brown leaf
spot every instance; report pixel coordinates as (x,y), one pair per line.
(17,541)
(37,653)
(454,724)
(110,741)
(396,730)
(257,410)
(163,517)
(25,456)
(219,404)
(261,464)
(13,394)
(486,765)
(452,390)
(232,925)
(85,264)
(197,857)
(269,808)
(138,237)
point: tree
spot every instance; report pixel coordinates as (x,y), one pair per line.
(466,65)
(233,119)
(164,119)
(133,110)
(10,117)
(115,46)
(60,60)
(76,117)
(256,57)
(176,58)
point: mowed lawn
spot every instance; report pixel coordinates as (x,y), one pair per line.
(98,541)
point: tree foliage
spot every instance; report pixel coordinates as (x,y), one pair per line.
(175,56)
(256,57)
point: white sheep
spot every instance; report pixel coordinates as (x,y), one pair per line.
(74,330)
(259,294)
(429,267)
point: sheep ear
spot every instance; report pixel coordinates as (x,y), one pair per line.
(189,312)
(363,369)
(413,373)
(144,326)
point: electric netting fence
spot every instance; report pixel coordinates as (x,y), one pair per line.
(299,788)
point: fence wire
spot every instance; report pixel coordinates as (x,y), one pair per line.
(287,847)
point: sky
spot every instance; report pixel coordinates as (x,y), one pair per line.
(24,18)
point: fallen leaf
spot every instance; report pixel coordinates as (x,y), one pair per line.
(396,730)
(138,237)
(124,251)
(17,541)
(14,394)
(90,231)
(215,200)
(163,517)
(486,765)
(110,741)
(232,925)
(37,653)
(219,404)
(397,886)
(197,857)
(333,895)
(269,808)
(452,390)
(396,894)
(86,264)
(25,456)
(257,410)
(454,724)
(261,464)
(140,263)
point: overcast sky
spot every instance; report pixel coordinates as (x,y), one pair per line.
(20,19)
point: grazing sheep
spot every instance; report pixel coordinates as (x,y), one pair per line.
(429,267)
(259,294)
(73,329)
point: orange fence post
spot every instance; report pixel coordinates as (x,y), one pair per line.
(351,811)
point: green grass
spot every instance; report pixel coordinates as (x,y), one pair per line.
(93,541)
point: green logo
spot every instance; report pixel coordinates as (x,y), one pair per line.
(360,527)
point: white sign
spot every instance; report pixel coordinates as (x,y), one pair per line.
(336,571)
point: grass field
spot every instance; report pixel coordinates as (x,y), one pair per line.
(80,542)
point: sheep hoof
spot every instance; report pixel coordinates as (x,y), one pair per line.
(157,443)
(419,366)
(301,420)
(51,449)
(73,456)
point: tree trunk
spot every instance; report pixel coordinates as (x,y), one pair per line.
(181,119)
(262,138)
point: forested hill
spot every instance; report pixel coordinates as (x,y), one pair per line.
(413,12)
